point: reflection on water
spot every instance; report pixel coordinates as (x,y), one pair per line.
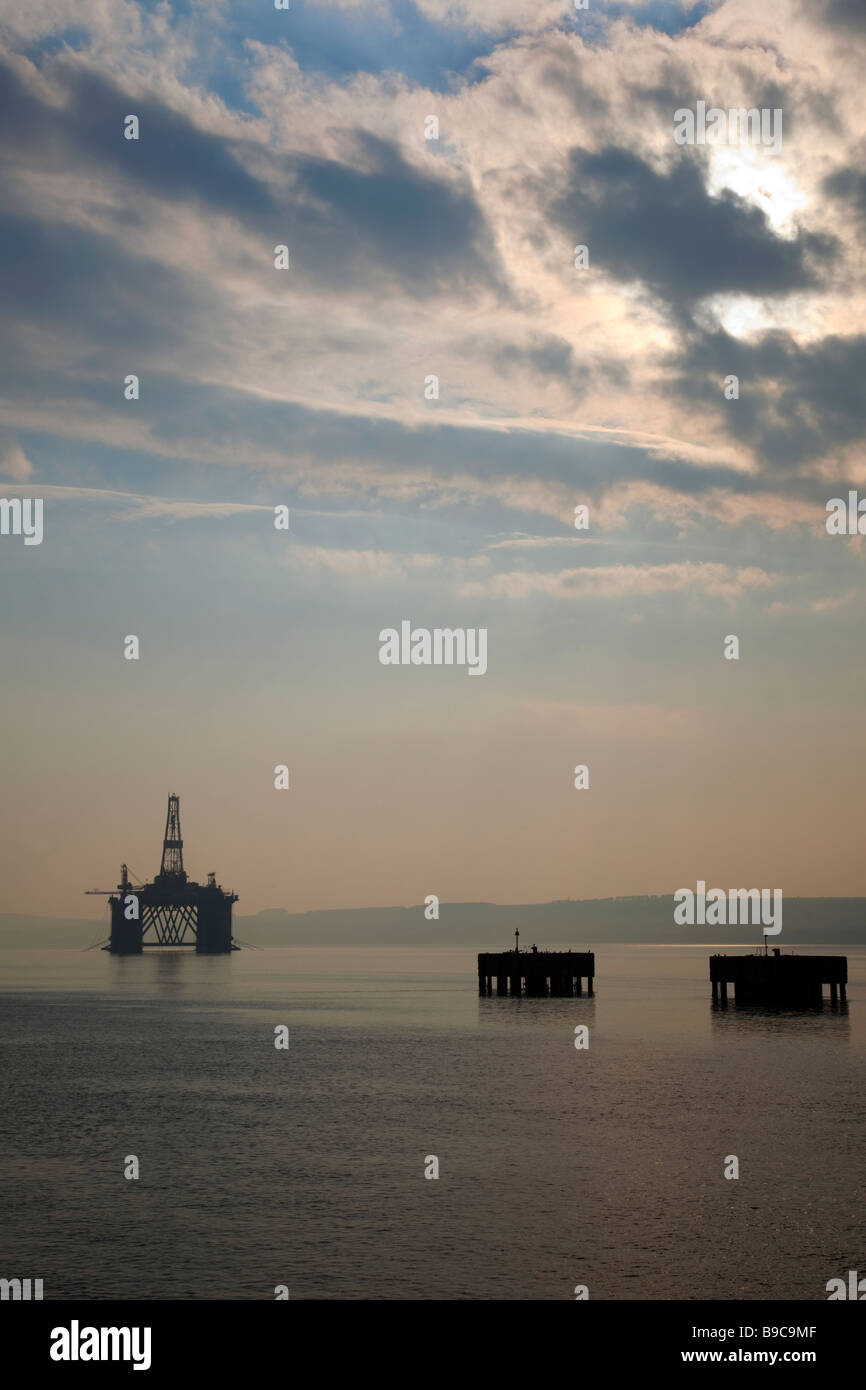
(305,1166)
(830,1022)
(531,1012)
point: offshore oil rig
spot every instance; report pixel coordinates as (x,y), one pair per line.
(173,910)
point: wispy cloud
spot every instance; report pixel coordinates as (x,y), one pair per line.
(378,564)
(14,463)
(623,581)
(130,506)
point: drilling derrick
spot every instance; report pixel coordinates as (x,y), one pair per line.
(172,845)
(173,910)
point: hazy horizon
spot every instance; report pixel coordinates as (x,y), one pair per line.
(640,920)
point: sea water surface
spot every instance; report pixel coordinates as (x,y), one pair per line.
(557,1167)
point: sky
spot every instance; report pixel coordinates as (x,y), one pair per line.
(602,386)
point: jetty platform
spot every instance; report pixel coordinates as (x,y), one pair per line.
(777,981)
(535,972)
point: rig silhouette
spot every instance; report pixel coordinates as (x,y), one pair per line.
(172,910)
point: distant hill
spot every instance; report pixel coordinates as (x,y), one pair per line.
(590,923)
(587,922)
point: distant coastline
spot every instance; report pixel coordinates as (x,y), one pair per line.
(579,922)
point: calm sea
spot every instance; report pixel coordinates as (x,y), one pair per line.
(305,1167)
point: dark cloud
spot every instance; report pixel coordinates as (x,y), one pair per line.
(545,355)
(796,403)
(70,279)
(849,186)
(380,210)
(551,358)
(172,158)
(371,218)
(666,231)
(848,15)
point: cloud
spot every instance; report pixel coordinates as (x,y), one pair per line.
(378,564)
(665,230)
(368,564)
(14,463)
(847,15)
(412,257)
(129,506)
(368,215)
(623,581)
(798,402)
(848,183)
(376,213)
(536,542)
(83,121)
